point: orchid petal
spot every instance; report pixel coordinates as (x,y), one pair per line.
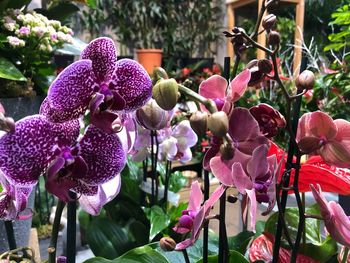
(168,148)
(245,131)
(210,154)
(252,210)
(103,154)
(133,84)
(321,201)
(336,154)
(240,179)
(340,224)
(258,166)
(343,134)
(303,126)
(25,153)
(321,125)
(196,197)
(70,93)
(185,136)
(106,192)
(214,197)
(102,52)
(104,120)
(184,244)
(213,88)
(186,156)
(239,85)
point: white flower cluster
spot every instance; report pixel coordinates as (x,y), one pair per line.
(34,31)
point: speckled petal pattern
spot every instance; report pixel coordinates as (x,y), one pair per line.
(102,52)
(103,154)
(70,93)
(25,153)
(132,83)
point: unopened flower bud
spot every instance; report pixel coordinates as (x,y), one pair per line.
(306,80)
(61,259)
(227,151)
(165,92)
(152,117)
(274,38)
(265,66)
(269,21)
(167,244)
(218,123)
(232,199)
(199,122)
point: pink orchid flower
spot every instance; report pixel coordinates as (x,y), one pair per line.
(193,217)
(216,88)
(319,134)
(336,221)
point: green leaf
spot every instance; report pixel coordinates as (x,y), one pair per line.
(292,218)
(9,71)
(235,257)
(17,4)
(107,239)
(322,252)
(145,254)
(240,241)
(177,181)
(60,11)
(159,221)
(139,232)
(92,3)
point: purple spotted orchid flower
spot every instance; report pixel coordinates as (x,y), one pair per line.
(193,217)
(38,146)
(100,83)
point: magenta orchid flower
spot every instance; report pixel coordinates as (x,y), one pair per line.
(193,217)
(175,143)
(319,134)
(224,96)
(39,146)
(336,221)
(245,134)
(13,200)
(142,146)
(268,118)
(100,83)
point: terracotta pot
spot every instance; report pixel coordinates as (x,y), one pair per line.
(149,58)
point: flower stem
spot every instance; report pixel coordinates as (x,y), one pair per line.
(345,257)
(187,259)
(208,103)
(152,170)
(166,183)
(71,228)
(55,229)
(206,227)
(10,235)
(223,245)
(155,163)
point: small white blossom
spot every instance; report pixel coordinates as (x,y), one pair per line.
(15,41)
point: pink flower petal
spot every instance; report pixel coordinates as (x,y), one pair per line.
(196,197)
(321,125)
(239,85)
(303,126)
(252,206)
(240,179)
(336,154)
(213,88)
(343,134)
(222,170)
(258,166)
(214,197)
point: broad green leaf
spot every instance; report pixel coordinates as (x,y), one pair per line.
(145,254)
(235,257)
(9,71)
(240,241)
(159,221)
(107,239)
(177,181)
(17,3)
(322,252)
(312,226)
(138,232)
(176,211)
(91,3)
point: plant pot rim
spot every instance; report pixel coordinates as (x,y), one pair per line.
(149,50)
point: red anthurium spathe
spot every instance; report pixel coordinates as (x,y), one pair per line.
(319,134)
(261,249)
(215,88)
(336,221)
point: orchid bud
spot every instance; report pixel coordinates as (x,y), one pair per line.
(306,80)
(167,244)
(165,92)
(265,66)
(61,259)
(274,38)
(218,123)
(227,151)
(152,117)
(199,122)
(269,21)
